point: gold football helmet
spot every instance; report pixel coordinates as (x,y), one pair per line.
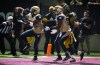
(51,8)
(35,10)
(58,9)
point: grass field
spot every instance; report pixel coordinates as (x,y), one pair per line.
(31,54)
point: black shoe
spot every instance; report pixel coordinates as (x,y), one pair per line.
(58,59)
(3,52)
(14,54)
(26,48)
(35,58)
(73,60)
(66,58)
(82,55)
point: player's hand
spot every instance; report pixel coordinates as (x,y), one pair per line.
(46,28)
(53,31)
(13,35)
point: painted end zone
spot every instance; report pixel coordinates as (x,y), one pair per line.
(44,60)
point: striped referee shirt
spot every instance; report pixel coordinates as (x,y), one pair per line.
(5,28)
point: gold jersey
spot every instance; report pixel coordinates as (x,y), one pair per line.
(37,23)
(64,25)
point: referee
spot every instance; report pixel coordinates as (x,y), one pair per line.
(6,32)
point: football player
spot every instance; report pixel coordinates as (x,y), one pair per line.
(35,17)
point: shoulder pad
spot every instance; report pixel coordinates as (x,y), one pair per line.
(38,17)
(60,17)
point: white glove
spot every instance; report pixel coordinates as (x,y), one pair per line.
(13,35)
(20,21)
(31,24)
(47,28)
(69,29)
(53,31)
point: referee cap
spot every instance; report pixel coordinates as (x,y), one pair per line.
(9,17)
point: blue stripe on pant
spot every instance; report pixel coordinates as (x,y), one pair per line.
(60,42)
(31,33)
